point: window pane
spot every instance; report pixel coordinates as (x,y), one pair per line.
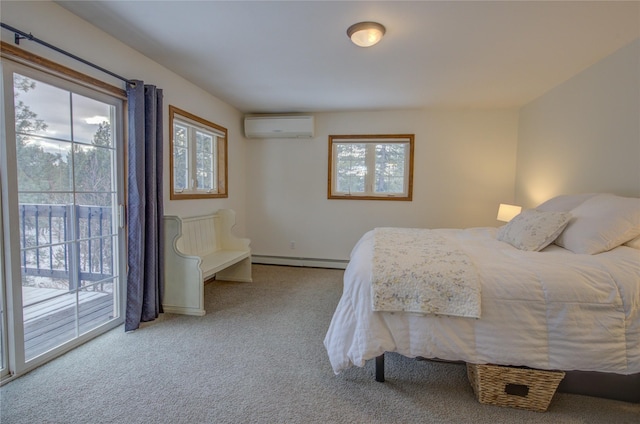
(181,179)
(43,164)
(95,259)
(93,221)
(41,109)
(205,180)
(390,168)
(351,167)
(92,168)
(91,121)
(205,160)
(45,262)
(180,135)
(180,161)
(204,151)
(97,305)
(44,224)
(180,157)
(203,141)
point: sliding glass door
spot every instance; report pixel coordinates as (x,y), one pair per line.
(63,144)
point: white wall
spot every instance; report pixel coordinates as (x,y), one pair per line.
(583,135)
(464,160)
(55,25)
(464,167)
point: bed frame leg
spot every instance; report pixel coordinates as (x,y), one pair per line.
(380,368)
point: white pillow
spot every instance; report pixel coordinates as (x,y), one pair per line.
(564,202)
(533,229)
(601,223)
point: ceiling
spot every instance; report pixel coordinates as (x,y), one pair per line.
(294,56)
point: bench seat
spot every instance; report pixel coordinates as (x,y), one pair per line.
(197,249)
(215,262)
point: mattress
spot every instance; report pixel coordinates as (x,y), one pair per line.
(552,309)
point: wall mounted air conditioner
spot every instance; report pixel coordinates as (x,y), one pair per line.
(279,126)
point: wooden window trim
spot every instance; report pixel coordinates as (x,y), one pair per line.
(32,60)
(336,138)
(222,174)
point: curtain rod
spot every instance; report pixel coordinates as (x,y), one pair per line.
(20,35)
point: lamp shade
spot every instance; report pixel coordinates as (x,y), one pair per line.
(366,34)
(507,212)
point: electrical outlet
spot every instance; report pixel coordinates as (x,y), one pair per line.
(292,244)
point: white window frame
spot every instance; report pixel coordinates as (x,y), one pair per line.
(371,142)
(218,170)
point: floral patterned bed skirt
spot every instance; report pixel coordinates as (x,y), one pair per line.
(418,270)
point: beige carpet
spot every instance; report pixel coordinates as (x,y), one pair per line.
(257,357)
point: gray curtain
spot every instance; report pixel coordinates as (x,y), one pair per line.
(145,278)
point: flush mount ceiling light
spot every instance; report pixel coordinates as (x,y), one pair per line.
(365,34)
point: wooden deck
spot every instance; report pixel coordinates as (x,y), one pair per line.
(51,318)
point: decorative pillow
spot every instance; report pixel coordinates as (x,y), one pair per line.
(533,229)
(564,202)
(635,243)
(601,223)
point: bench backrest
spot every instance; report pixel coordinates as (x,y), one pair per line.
(199,235)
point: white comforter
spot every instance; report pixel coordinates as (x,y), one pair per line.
(548,310)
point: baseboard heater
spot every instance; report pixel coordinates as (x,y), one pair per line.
(302,262)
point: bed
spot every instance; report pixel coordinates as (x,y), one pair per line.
(559,289)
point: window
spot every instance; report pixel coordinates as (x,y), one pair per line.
(367,167)
(198,157)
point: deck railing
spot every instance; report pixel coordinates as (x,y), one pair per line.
(48,250)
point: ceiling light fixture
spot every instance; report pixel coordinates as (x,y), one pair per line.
(365,34)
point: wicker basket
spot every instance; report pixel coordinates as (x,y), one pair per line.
(515,387)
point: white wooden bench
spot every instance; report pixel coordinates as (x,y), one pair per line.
(197,249)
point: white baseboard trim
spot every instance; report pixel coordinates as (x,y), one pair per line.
(304,262)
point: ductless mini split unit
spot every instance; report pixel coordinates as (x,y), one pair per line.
(279,126)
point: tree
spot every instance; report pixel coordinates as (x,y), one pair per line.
(38,170)
(92,167)
(93,175)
